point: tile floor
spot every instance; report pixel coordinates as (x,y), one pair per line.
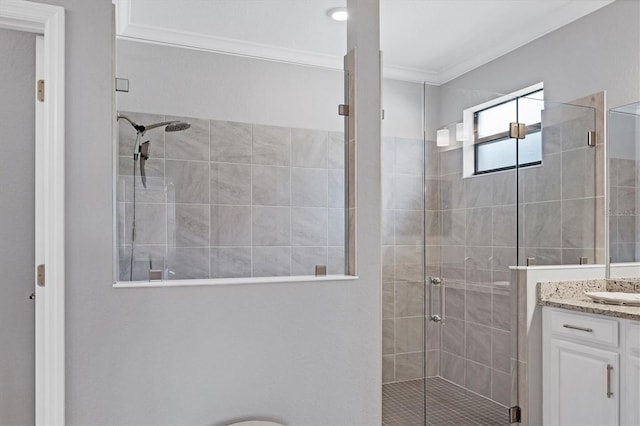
(447,405)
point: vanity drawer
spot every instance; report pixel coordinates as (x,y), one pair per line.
(585,328)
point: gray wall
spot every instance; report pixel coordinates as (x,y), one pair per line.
(193,83)
(600,51)
(301,353)
(17,233)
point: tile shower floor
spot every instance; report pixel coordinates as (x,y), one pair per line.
(447,404)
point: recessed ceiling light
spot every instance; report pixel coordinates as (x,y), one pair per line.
(338,13)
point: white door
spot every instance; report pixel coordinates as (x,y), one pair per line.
(17,226)
(20,67)
(584,388)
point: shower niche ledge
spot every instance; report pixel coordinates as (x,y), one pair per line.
(233,281)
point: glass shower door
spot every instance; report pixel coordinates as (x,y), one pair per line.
(471,309)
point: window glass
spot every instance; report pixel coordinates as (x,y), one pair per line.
(529,110)
(494,150)
(496,119)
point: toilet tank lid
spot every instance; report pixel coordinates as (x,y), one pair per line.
(256,423)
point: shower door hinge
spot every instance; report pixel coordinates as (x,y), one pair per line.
(40,91)
(591,138)
(517,130)
(515,415)
(343,110)
(40,275)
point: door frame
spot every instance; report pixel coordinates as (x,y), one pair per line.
(49,21)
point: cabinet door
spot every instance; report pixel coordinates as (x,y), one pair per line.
(582,385)
(631,389)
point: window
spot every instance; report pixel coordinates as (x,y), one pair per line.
(494,150)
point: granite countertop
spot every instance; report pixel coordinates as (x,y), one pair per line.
(570,295)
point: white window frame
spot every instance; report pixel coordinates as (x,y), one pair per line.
(468,118)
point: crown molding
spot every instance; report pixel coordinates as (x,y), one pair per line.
(129,30)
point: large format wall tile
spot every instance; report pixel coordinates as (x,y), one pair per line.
(336,261)
(309,187)
(336,227)
(271,145)
(188,263)
(271,261)
(409,366)
(230,226)
(335,151)
(409,156)
(542,183)
(308,148)
(230,183)
(542,224)
(189,144)
(308,226)
(408,192)
(271,226)
(578,173)
(230,142)
(271,186)
(151,223)
(188,226)
(305,259)
(190,180)
(230,262)
(578,223)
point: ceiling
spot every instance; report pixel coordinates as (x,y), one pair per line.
(423,40)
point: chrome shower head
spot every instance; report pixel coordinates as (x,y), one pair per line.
(170,126)
(177,126)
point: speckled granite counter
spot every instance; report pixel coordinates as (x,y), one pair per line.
(570,295)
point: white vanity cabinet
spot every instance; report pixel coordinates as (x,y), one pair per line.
(631,379)
(591,369)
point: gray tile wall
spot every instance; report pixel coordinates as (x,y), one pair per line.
(403,260)
(229,200)
(478,244)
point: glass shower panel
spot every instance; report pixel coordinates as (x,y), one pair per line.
(403,251)
(623,160)
(557,198)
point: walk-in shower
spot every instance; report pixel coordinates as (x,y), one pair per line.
(141,153)
(464,206)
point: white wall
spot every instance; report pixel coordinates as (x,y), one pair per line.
(300,353)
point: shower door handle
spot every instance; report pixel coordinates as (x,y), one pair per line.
(434,317)
(442,301)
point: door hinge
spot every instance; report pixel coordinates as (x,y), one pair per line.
(343,110)
(515,415)
(40,275)
(517,130)
(591,138)
(40,91)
